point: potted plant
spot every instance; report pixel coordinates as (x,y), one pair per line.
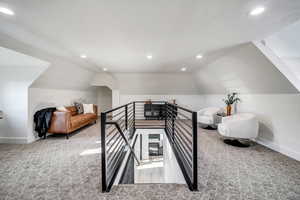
(229,100)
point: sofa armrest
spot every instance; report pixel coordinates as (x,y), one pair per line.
(60,122)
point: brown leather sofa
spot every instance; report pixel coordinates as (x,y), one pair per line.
(67,122)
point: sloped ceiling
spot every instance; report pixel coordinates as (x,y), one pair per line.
(64,75)
(243,69)
(61,73)
(286,45)
(9,58)
(119,34)
(20,66)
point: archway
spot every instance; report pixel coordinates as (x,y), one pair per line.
(104,99)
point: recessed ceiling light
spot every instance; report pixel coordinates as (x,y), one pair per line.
(6,11)
(105,69)
(199,56)
(149,57)
(83,56)
(257,11)
(183,69)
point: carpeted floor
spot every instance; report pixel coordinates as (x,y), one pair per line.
(57,168)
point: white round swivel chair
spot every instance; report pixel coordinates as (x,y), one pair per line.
(239,126)
(206,116)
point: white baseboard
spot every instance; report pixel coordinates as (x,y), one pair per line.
(32,139)
(13,140)
(284,150)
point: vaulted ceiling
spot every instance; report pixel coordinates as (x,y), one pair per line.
(118,35)
(12,59)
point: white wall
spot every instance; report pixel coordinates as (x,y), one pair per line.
(115,98)
(17,72)
(105,79)
(14,84)
(13,103)
(156,83)
(193,102)
(40,98)
(104,99)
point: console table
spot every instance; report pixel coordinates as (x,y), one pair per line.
(154,111)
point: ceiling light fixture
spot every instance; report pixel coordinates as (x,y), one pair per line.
(105,69)
(199,56)
(83,56)
(183,69)
(257,11)
(6,11)
(149,57)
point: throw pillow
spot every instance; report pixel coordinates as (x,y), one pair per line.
(79,107)
(61,108)
(88,108)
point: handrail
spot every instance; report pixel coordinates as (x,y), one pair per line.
(126,141)
(182,108)
(132,116)
(117,108)
(147,101)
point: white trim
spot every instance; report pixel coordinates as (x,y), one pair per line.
(13,140)
(278,63)
(32,139)
(284,150)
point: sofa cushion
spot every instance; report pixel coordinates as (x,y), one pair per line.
(79,107)
(79,120)
(61,108)
(88,108)
(72,109)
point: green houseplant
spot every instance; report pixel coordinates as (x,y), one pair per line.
(229,100)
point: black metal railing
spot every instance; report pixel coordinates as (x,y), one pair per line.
(118,128)
(149,115)
(181,129)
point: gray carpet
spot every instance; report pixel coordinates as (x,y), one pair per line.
(57,168)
